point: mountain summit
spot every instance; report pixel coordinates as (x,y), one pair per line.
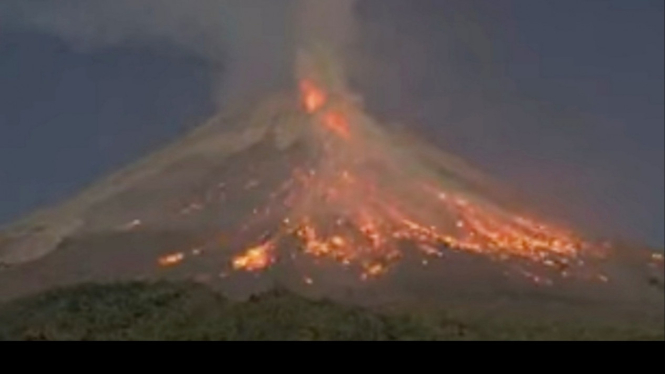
(306,189)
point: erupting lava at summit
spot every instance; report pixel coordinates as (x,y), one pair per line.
(305,183)
(364,202)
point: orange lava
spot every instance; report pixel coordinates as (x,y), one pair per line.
(255,259)
(313,97)
(497,233)
(340,213)
(361,208)
(337,123)
(171,260)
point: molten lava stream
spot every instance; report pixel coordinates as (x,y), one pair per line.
(357,209)
(313,98)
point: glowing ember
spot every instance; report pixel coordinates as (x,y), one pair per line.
(313,97)
(255,259)
(171,260)
(373,270)
(336,122)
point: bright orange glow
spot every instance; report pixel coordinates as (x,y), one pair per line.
(255,259)
(171,260)
(314,99)
(336,122)
(373,270)
(312,96)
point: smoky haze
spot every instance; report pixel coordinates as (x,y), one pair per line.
(332,21)
(462,72)
(253,41)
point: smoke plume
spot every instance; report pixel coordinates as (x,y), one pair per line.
(252,42)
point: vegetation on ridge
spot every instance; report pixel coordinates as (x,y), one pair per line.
(183,311)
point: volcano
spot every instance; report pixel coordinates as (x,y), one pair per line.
(306,190)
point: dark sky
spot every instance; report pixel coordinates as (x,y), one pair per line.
(562,99)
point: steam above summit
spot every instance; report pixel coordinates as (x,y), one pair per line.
(252,41)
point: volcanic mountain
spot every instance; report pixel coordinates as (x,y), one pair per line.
(306,190)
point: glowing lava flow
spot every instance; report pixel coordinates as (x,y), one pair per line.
(313,97)
(337,123)
(171,260)
(256,258)
(360,208)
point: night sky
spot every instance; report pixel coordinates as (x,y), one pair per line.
(562,99)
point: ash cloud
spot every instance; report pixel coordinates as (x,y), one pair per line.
(334,22)
(252,42)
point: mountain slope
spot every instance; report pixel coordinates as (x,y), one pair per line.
(309,192)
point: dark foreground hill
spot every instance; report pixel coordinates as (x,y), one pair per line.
(184,311)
